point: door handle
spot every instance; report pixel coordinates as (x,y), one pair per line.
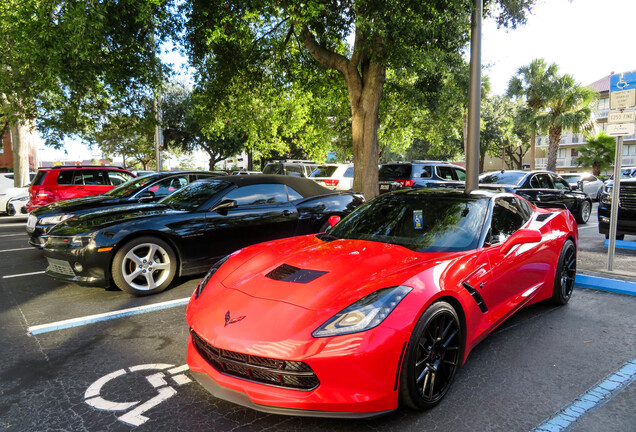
(286,212)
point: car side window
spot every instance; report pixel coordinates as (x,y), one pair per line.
(66,177)
(117,177)
(541,181)
(507,218)
(94,177)
(348,173)
(445,173)
(422,171)
(258,194)
(560,184)
(292,194)
(460,174)
(294,170)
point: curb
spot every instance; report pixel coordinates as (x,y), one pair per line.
(605,284)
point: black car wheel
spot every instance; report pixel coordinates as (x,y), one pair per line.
(432,357)
(585,210)
(565,274)
(618,237)
(145,265)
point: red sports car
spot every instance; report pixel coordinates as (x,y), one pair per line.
(382,309)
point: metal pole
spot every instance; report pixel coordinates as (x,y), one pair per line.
(474,100)
(158,132)
(615,203)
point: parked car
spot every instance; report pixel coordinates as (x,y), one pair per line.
(626,223)
(148,188)
(17,205)
(421,174)
(334,176)
(66,182)
(8,191)
(585,182)
(626,173)
(296,168)
(243,172)
(142,247)
(542,188)
(401,291)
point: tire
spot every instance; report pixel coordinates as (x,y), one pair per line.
(565,274)
(144,266)
(585,210)
(618,237)
(432,357)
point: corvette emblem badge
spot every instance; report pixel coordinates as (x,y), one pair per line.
(229,320)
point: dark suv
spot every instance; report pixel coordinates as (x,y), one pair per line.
(420,174)
(626,210)
(296,168)
(66,182)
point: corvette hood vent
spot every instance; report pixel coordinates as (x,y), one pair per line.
(288,273)
(543,217)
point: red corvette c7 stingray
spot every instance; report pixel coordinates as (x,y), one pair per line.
(382,309)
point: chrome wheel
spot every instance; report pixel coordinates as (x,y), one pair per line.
(146,266)
(584,212)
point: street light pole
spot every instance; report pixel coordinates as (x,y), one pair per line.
(474,100)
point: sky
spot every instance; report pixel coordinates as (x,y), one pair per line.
(588,39)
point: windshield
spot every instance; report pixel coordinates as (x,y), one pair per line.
(130,187)
(421,221)
(194,195)
(511,178)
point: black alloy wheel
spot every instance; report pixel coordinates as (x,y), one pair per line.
(565,274)
(432,357)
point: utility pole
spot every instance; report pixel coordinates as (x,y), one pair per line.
(474,100)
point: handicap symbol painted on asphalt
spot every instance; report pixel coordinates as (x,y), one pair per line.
(157,380)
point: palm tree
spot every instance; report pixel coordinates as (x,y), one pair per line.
(568,107)
(531,85)
(598,153)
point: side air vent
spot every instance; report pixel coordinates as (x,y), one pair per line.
(476,296)
(543,216)
(288,273)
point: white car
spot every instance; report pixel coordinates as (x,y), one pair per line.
(10,194)
(591,184)
(334,176)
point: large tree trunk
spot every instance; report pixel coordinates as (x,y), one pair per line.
(553,147)
(21,136)
(533,144)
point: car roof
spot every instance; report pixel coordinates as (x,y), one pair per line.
(303,186)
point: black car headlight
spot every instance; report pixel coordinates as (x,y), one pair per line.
(207,277)
(70,242)
(365,314)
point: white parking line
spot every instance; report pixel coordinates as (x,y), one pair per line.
(22,274)
(588,226)
(75,322)
(18,249)
(11,235)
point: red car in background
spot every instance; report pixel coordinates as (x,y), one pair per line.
(67,182)
(379,311)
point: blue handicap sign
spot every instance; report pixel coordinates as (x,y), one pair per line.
(623,81)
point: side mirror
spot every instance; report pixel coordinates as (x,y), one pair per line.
(333,220)
(146,197)
(523,236)
(224,205)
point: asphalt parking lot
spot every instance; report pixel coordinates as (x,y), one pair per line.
(128,372)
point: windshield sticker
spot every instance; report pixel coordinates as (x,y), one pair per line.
(417,219)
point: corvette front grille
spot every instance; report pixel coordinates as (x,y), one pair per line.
(293,375)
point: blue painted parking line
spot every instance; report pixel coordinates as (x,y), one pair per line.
(595,397)
(605,284)
(75,322)
(623,244)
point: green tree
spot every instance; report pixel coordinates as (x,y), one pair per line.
(568,108)
(530,85)
(496,128)
(598,153)
(418,38)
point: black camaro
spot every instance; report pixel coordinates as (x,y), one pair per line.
(149,188)
(542,188)
(142,247)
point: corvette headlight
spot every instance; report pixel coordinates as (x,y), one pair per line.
(53,220)
(365,314)
(207,277)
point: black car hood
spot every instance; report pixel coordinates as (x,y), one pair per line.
(102,218)
(76,204)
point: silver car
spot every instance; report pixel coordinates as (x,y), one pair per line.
(588,183)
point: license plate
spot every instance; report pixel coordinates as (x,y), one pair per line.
(31,222)
(384,187)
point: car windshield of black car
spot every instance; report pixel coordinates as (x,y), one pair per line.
(129,188)
(195,194)
(511,178)
(420,222)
